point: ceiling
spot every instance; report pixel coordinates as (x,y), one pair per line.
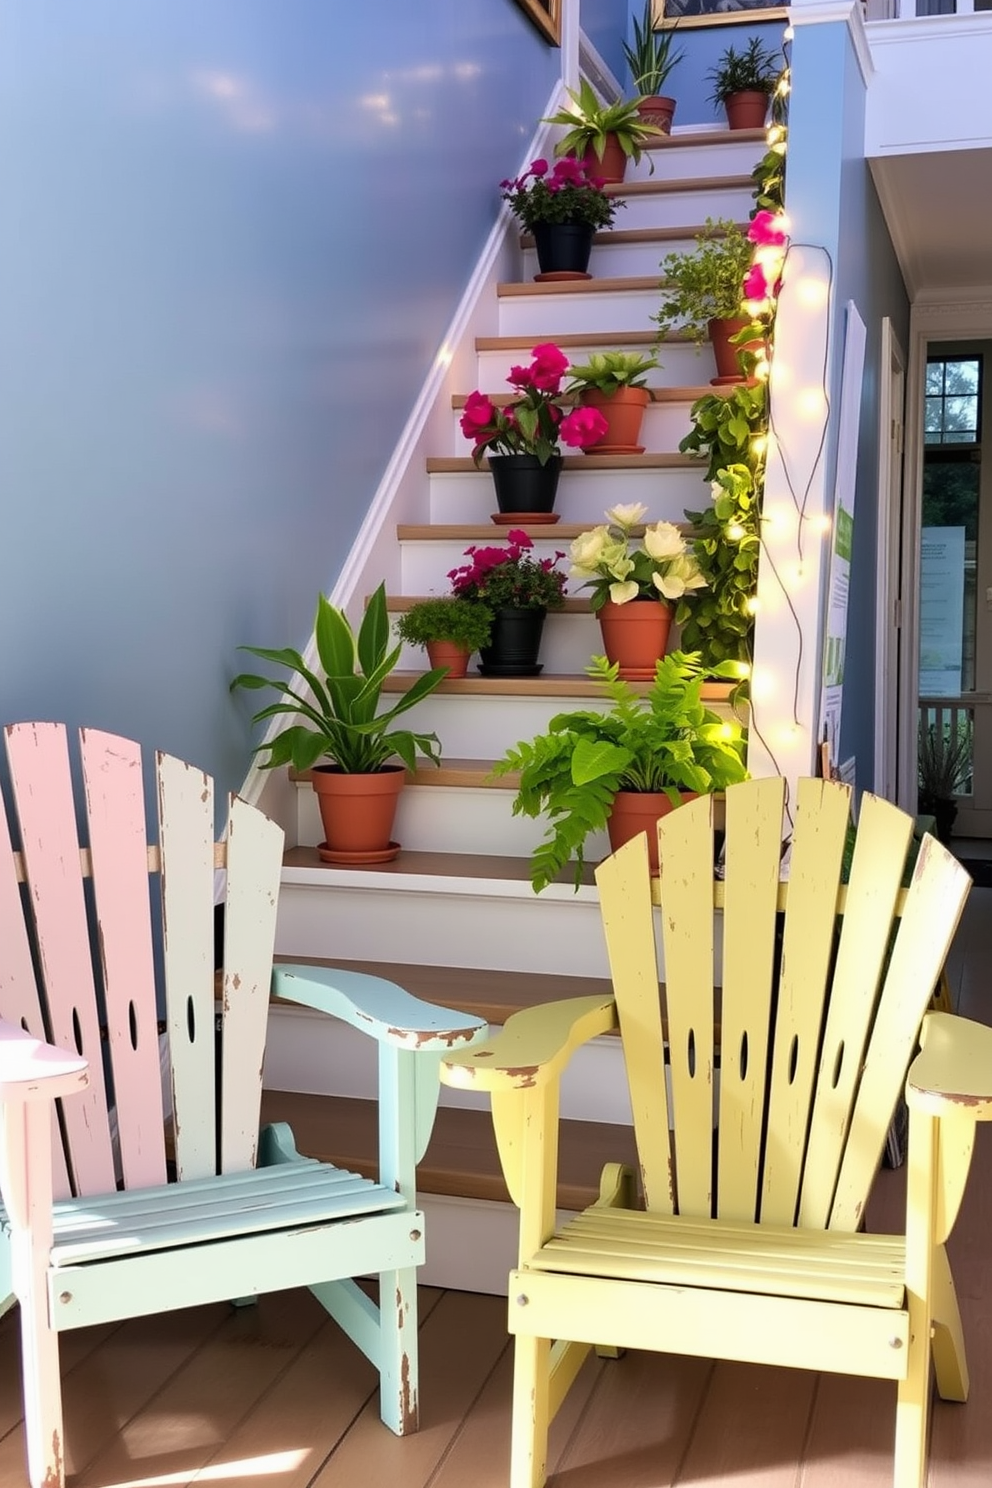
(937,206)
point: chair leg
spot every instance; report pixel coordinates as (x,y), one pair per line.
(399,1404)
(531,1412)
(42,1395)
(949,1359)
(913,1402)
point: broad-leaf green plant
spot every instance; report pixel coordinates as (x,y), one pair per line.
(663,740)
(606,371)
(649,54)
(588,122)
(339,718)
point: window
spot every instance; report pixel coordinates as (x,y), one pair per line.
(952,401)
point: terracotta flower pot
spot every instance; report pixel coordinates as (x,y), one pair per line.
(640,811)
(725,353)
(357,813)
(658,110)
(624,414)
(747,110)
(447,654)
(613,165)
(635,635)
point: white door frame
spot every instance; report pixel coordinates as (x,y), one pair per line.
(965,316)
(888,620)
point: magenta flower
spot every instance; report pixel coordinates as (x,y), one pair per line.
(767,230)
(521,377)
(548,367)
(582,427)
(538,168)
(756,283)
(478,413)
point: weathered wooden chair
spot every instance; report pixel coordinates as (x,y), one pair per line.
(92,1231)
(756,1164)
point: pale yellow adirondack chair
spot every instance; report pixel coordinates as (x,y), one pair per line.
(787,1038)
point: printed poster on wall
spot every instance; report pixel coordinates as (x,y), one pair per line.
(941,611)
(839,573)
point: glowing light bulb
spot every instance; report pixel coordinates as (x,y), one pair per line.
(779,148)
(759,444)
(753,604)
(734,532)
(812,292)
(810,403)
(755,308)
(763,684)
(774,133)
(789,33)
(821,523)
(788,735)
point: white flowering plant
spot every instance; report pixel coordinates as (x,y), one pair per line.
(616,564)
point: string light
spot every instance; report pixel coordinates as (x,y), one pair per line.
(734,531)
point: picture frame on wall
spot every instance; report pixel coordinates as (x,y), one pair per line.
(688,13)
(546,15)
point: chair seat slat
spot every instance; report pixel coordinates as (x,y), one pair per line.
(675,1252)
(88,1232)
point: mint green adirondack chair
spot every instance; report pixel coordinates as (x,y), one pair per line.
(92,1228)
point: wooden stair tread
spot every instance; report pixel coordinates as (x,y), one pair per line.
(461,1159)
(483,992)
(672,185)
(654,460)
(515,289)
(582,338)
(624,235)
(461,866)
(687,394)
(480,531)
(687,139)
(556,684)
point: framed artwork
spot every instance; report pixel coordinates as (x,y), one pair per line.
(716,12)
(546,15)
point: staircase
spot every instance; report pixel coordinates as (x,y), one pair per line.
(453,917)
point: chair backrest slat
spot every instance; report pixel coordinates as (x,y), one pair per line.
(685,852)
(625,903)
(877,871)
(752,864)
(115,805)
(38,757)
(808,939)
(186,841)
(254,863)
(936,897)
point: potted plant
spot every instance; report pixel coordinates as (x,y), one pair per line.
(615,382)
(604,136)
(944,763)
(336,719)
(635,574)
(517,590)
(562,206)
(704,295)
(523,438)
(650,60)
(448,628)
(743,82)
(653,748)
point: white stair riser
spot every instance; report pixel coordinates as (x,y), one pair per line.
(317,1055)
(618,259)
(682,363)
(510,932)
(583,495)
(664,425)
(547,316)
(693,206)
(725,157)
(425,565)
(436,818)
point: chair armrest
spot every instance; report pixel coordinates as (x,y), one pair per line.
(534,1046)
(952,1074)
(378,1007)
(33,1070)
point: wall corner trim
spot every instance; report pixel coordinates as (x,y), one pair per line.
(820,12)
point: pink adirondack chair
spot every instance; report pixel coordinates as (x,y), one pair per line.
(92,1227)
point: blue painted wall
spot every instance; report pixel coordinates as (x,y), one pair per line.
(605,23)
(232,237)
(831,201)
(703,47)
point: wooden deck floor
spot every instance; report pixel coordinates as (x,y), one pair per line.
(276,1395)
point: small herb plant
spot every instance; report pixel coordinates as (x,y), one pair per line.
(754,69)
(338,713)
(509,576)
(664,740)
(706,283)
(460,622)
(588,122)
(606,371)
(649,57)
(565,192)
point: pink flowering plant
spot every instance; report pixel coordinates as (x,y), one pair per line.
(499,577)
(564,192)
(539,420)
